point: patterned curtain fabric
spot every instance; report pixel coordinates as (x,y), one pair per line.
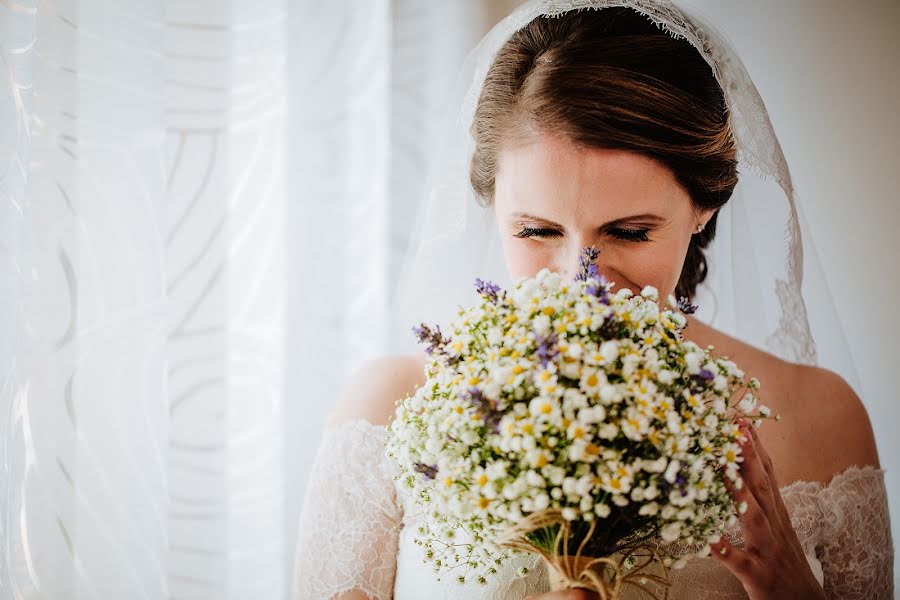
(202,209)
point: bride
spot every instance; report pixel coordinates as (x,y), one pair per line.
(621,128)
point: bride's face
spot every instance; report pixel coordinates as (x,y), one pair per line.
(553,198)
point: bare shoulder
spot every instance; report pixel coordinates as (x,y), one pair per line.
(376,386)
(842,429)
(824,428)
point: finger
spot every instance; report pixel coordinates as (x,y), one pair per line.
(754,472)
(770,469)
(737,560)
(754,523)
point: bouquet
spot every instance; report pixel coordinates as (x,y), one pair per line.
(565,419)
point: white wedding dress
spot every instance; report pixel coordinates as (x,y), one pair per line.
(355,535)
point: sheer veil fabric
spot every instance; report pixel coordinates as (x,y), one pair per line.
(755,288)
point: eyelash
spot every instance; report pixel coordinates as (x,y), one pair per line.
(629,235)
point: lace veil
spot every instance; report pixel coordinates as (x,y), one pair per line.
(760,270)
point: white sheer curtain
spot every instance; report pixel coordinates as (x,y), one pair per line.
(202,204)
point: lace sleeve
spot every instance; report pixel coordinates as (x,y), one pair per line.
(351,519)
(857,555)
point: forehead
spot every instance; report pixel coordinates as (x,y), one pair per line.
(553,175)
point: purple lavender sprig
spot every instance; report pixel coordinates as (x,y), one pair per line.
(436,341)
(701,379)
(488,289)
(685,306)
(487,407)
(429,471)
(598,286)
(600,289)
(588,261)
(426,335)
(547,349)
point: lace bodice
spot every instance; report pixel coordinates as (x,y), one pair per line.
(355,534)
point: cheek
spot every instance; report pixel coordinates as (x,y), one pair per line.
(656,264)
(524,258)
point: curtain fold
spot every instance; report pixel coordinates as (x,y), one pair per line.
(202,207)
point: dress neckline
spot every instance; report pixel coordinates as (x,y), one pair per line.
(849,473)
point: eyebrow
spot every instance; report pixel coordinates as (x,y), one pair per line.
(647,217)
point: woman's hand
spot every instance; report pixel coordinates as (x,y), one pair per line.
(771,565)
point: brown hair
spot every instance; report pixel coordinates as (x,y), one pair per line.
(611,78)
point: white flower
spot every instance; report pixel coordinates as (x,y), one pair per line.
(649,509)
(591,415)
(609,350)
(608,431)
(747,403)
(720,382)
(692,360)
(542,325)
(670,532)
(592,380)
(731,455)
(672,471)
(657,466)
(649,292)
(666,377)
(609,394)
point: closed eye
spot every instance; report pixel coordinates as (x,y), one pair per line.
(630,235)
(528,232)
